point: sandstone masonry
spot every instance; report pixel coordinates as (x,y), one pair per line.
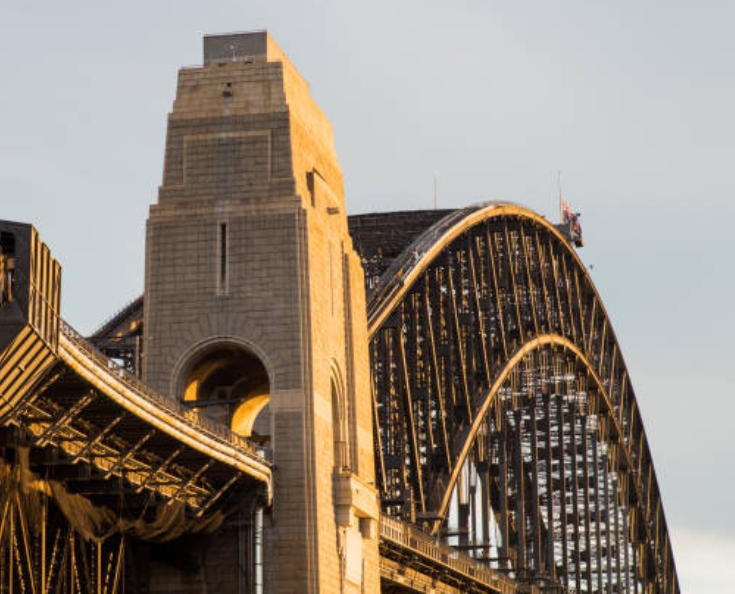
(249,258)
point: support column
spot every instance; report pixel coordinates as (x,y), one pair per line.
(255,306)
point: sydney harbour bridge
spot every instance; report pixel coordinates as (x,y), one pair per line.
(302,401)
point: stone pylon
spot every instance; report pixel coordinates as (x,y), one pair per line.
(255,304)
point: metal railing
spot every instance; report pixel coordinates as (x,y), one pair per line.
(117,314)
(411,538)
(193,418)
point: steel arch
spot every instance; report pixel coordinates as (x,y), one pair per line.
(482,302)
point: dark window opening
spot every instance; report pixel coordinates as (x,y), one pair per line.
(223,258)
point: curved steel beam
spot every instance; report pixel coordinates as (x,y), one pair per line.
(570,305)
(112,382)
(482,409)
(397,280)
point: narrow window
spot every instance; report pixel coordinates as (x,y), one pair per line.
(222,285)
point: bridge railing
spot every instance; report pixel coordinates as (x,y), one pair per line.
(171,406)
(410,538)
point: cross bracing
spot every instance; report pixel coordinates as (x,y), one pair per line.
(506,424)
(508,438)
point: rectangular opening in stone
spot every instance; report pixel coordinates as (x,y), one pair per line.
(223,257)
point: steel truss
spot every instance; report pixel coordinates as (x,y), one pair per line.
(41,553)
(506,423)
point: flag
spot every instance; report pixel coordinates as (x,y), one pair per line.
(566,213)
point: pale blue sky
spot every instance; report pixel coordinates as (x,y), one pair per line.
(632,101)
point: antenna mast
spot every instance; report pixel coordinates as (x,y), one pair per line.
(558,183)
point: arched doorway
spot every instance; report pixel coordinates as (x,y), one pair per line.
(230,384)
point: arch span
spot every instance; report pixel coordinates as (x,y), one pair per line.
(495,364)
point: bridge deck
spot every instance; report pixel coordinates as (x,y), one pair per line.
(412,548)
(189,426)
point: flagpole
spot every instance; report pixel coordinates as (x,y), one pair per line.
(558,183)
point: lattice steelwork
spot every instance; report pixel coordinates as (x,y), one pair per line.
(41,552)
(95,466)
(507,425)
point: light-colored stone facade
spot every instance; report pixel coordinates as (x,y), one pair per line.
(248,248)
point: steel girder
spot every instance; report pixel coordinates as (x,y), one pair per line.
(41,552)
(89,423)
(506,423)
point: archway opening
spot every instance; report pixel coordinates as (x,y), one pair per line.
(230,385)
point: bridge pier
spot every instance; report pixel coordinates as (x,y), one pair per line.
(254,304)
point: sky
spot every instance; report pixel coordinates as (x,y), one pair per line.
(632,101)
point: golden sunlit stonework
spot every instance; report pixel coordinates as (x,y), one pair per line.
(303,401)
(250,270)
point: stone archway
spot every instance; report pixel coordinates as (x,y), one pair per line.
(230,384)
